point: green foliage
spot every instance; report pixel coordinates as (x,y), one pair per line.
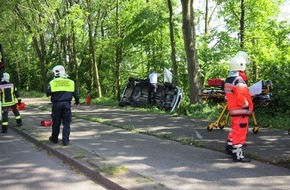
(36,36)
(31,94)
(280,78)
(203,110)
(267,118)
(105,101)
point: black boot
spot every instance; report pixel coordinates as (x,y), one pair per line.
(238,154)
(4,129)
(229,148)
(19,122)
(54,141)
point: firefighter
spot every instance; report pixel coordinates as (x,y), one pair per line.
(61,89)
(9,94)
(240,107)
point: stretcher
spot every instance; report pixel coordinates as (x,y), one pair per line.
(223,120)
(260,91)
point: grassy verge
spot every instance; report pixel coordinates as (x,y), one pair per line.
(210,111)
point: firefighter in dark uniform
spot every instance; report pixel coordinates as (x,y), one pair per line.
(61,89)
(9,95)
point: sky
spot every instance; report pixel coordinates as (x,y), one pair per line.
(285,11)
(284,15)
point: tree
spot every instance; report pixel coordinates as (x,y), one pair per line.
(118,52)
(92,51)
(189,36)
(172,43)
(33,24)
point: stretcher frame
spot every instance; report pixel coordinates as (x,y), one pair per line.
(221,123)
(216,91)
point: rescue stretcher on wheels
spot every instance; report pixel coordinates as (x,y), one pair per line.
(222,121)
(261,96)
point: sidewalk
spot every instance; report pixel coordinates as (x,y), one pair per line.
(130,159)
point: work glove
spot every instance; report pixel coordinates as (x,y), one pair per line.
(19,102)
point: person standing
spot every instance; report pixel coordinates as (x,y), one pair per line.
(152,88)
(9,94)
(61,90)
(240,107)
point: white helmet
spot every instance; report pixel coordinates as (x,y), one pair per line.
(59,71)
(243,55)
(5,77)
(238,63)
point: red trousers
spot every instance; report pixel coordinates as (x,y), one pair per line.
(239,129)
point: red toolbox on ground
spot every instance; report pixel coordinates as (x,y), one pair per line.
(21,106)
(46,123)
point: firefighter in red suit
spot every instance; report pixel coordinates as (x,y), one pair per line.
(240,107)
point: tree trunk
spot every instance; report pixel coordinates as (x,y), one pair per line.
(189,37)
(41,52)
(74,58)
(206,20)
(172,43)
(242,24)
(92,50)
(118,53)
(39,45)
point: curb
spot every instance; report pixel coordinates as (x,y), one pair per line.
(90,164)
(94,175)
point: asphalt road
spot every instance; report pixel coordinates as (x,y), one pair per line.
(23,166)
(166,164)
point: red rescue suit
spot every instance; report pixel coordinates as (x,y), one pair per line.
(240,106)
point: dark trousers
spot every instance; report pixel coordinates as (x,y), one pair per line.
(152,91)
(5,111)
(61,114)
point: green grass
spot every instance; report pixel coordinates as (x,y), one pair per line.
(265,117)
(105,101)
(168,136)
(31,94)
(79,154)
(273,120)
(111,169)
(284,162)
(209,111)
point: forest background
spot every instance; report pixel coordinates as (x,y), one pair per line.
(103,43)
